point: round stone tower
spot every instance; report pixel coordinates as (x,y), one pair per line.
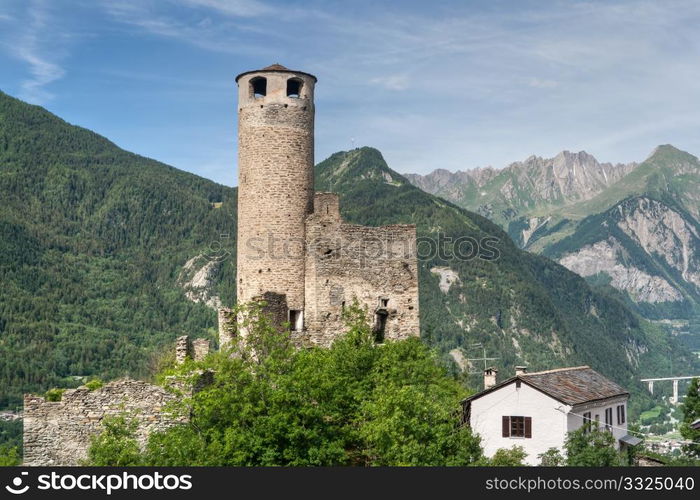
(275,183)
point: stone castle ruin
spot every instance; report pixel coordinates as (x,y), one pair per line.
(294,252)
(292,241)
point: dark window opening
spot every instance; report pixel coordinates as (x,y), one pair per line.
(621,414)
(608,419)
(380,326)
(383,302)
(587,421)
(296,320)
(517,426)
(517,384)
(294,88)
(258,87)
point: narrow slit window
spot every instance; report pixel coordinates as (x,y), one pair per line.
(294,88)
(258,87)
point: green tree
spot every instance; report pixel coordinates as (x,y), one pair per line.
(9,456)
(591,447)
(116,444)
(691,413)
(356,403)
(508,457)
(552,458)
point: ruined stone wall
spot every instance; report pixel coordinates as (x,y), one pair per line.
(58,433)
(227,326)
(378,266)
(185,348)
(275,186)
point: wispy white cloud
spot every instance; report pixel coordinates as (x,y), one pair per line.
(542,83)
(221,35)
(238,8)
(392,82)
(30,48)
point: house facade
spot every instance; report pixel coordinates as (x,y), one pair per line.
(537,410)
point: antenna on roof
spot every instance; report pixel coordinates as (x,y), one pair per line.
(483,358)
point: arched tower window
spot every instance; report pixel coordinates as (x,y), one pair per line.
(258,87)
(294,87)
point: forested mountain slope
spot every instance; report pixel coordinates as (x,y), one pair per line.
(102,253)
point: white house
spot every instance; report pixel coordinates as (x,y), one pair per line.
(537,410)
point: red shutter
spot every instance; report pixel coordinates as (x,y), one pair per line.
(528,427)
(506,426)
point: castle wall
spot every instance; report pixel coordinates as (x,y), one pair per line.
(376,265)
(227,326)
(275,186)
(58,433)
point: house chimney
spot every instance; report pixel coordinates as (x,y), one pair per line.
(520,370)
(490,377)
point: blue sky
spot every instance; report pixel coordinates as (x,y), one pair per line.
(432,84)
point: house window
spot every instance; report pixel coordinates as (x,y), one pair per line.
(383,303)
(587,421)
(608,419)
(517,426)
(620,414)
(294,88)
(597,422)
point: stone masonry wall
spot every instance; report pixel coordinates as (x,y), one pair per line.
(275,186)
(58,433)
(227,326)
(376,265)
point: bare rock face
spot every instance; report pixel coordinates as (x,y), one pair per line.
(447,277)
(608,257)
(654,233)
(197,280)
(662,231)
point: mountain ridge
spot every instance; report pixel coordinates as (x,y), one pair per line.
(656,271)
(535,183)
